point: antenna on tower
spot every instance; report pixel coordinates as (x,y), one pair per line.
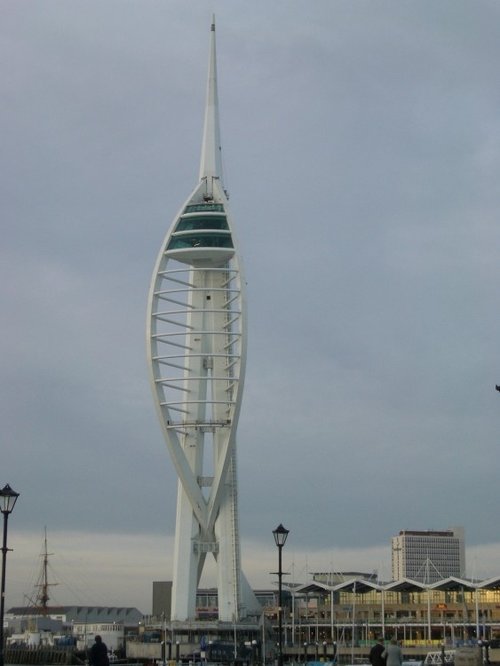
(211,159)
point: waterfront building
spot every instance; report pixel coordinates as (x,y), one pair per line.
(450,610)
(345,617)
(428,555)
(69,615)
(55,625)
(196,341)
(358,609)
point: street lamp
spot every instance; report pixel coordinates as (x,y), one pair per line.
(8,499)
(280,535)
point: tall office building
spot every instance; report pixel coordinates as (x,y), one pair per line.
(428,556)
(196,339)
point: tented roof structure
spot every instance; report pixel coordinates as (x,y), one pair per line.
(450,584)
(453,584)
(490,584)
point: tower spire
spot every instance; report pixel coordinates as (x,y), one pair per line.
(211,162)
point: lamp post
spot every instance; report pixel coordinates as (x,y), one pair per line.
(280,536)
(164,641)
(8,499)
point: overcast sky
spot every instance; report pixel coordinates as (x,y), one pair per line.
(361,152)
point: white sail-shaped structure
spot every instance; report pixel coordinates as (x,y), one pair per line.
(196,340)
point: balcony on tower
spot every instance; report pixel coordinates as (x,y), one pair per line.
(201,236)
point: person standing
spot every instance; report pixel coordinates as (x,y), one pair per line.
(376,652)
(99,653)
(392,654)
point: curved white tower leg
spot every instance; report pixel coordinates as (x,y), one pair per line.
(196,342)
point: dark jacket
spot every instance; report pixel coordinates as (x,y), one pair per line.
(99,654)
(375,657)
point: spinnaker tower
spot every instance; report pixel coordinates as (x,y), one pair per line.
(196,341)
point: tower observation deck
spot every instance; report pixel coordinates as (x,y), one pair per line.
(196,343)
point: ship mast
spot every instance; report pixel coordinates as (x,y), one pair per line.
(42,597)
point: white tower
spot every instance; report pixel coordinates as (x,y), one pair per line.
(196,342)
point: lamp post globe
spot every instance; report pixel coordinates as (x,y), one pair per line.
(8,499)
(280,535)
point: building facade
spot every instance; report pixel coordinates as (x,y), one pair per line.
(450,611)
(428,555)
(347,614)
